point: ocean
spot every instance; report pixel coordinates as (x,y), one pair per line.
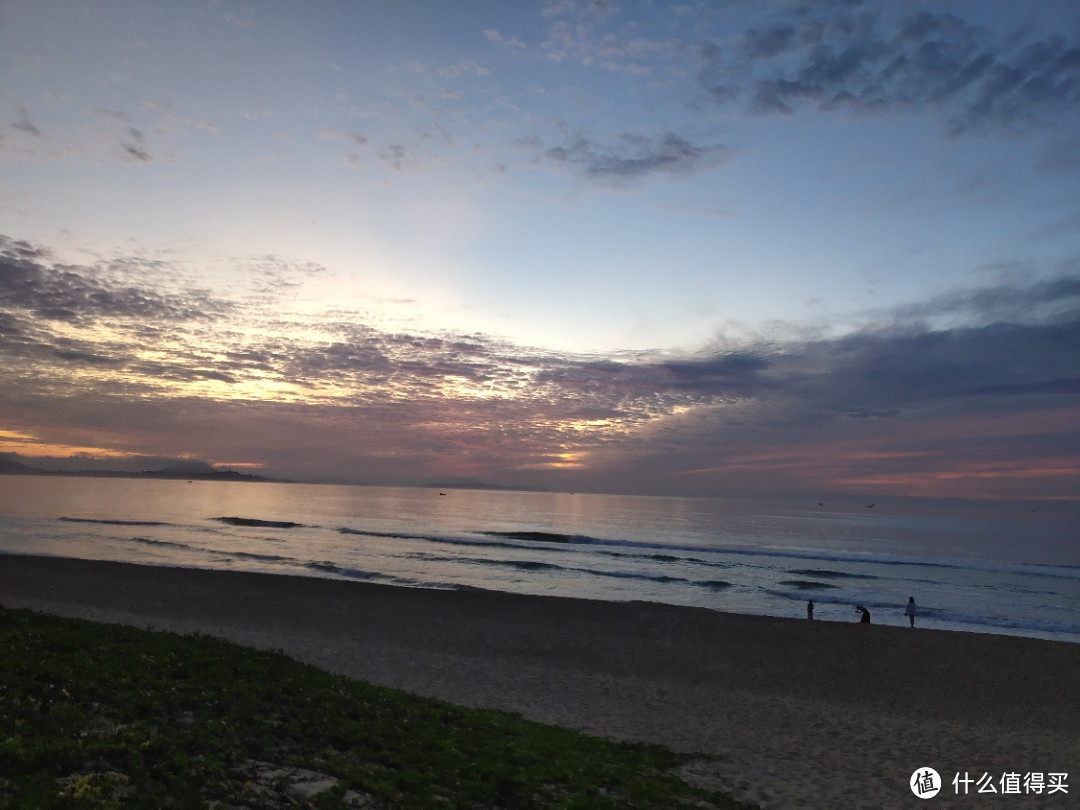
(975,569)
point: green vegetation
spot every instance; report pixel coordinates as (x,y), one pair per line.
(105,716)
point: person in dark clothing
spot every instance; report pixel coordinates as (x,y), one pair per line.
(865,614)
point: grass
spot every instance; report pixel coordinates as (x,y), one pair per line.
(106,716)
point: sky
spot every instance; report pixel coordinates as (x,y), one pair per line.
(714,249)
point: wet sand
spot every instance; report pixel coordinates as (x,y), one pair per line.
(791,713)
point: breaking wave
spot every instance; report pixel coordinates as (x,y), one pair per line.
(255,522)
(104,522)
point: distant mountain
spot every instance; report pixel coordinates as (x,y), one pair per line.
(212,475)
(9,466)
(190,470)
(184,468)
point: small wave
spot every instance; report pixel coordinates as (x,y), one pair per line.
(356,573)
(250,555)
(714,584)
(537,565)
(824,572)
(534,565)
(822,599)
(151,542)
(813,555)
(1012,625)
(1049,571)
(461,586)
(533,537)
(808,585)
(404,536)
(523,565)
(720,557)
(344,572)
(255,522)
(643,545)
(429,557)
(661,578)
(327,567)
(842,599)
(675,558)
(432,538)
(223,554)
(104,522)
(322,565)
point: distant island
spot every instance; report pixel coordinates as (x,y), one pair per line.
(195,470)
(189,470)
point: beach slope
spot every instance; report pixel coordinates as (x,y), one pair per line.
(790,713)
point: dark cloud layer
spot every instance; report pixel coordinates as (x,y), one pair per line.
(75,360)
(899,58)
(784,57)
(57,293)
(859,57)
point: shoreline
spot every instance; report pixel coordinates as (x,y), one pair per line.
(799,714)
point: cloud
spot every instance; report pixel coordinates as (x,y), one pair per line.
(1038,301)
(135,148)
(865,58)
(898,372)
(466,67)
(394,156)
(19,250)
(588,34)
(165,369)
(1009,339)
(632,157)
(493,35)
(24,124)
(765,44)
(599,10)
(73,294)
(839,58)
(642,385)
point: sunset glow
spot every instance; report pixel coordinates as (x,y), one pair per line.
(610,247)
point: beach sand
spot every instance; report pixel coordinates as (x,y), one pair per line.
(791,713)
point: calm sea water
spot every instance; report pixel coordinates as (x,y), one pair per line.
(1016,574)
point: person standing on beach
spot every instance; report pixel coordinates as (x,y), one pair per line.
(909,611)
(865,614)
(810,609)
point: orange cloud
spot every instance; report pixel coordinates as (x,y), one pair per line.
(35,449)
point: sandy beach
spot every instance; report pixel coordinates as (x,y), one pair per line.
(791,713)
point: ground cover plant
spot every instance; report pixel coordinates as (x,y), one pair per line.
(106,716)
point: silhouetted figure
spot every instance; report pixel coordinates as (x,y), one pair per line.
(909,611)
(865,614)
(810,609)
